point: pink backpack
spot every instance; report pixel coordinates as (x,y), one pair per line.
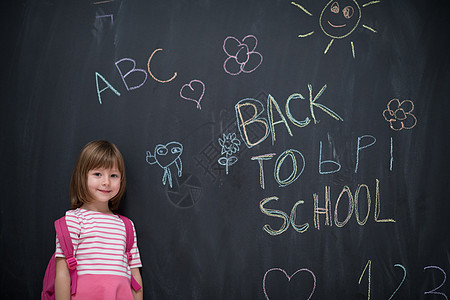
(48,286)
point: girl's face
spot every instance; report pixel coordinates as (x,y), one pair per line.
(103,184)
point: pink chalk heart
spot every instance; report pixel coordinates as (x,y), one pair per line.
(289,279)
(191,91)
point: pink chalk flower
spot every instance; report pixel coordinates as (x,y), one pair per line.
(242,56)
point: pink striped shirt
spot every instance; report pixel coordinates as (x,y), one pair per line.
(99,242)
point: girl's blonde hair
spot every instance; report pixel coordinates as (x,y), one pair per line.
(96,154)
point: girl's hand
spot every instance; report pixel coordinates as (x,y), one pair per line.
(62,280)
(137,295)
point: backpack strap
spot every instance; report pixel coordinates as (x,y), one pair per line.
(65,242)
(129,244)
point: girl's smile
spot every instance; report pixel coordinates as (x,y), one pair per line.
(103,185)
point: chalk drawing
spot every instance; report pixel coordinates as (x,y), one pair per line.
(289,279)
(108,86)
(368,265)
(260,159)
(106,16)
(242,56)
(206,159)
(230,145)
(150,72)
(191,91)
(133,69)
(434,291)
(403,280)
(399,114)
(165,156)
(338,20)
(102,2)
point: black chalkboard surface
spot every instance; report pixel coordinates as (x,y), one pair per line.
(274,149)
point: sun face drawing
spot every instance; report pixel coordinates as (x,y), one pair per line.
(338,19)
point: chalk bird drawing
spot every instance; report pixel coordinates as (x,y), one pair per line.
(165,156)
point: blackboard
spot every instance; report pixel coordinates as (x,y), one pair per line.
(274,149)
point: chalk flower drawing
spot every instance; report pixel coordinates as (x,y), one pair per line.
(230,145)
(399,114)
(242,56)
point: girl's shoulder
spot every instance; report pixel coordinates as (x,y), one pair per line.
(72,212)
(74,216)
(77,213)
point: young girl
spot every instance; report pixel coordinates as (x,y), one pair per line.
(98,235)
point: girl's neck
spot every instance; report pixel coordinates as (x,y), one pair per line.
(92,207)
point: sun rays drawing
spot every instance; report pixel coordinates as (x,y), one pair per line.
(338,19)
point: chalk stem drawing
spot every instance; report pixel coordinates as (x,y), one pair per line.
(242,56)
(165,156)
(230,145)
(193,86)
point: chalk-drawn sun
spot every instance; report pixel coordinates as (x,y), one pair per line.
(338,19)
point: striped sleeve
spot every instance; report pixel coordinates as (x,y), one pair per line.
(74,226)
(136,258)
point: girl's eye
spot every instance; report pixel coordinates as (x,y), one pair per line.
(97,174)
(115,175)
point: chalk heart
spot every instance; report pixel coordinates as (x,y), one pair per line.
(193,91)
(289,279)
(167,154)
